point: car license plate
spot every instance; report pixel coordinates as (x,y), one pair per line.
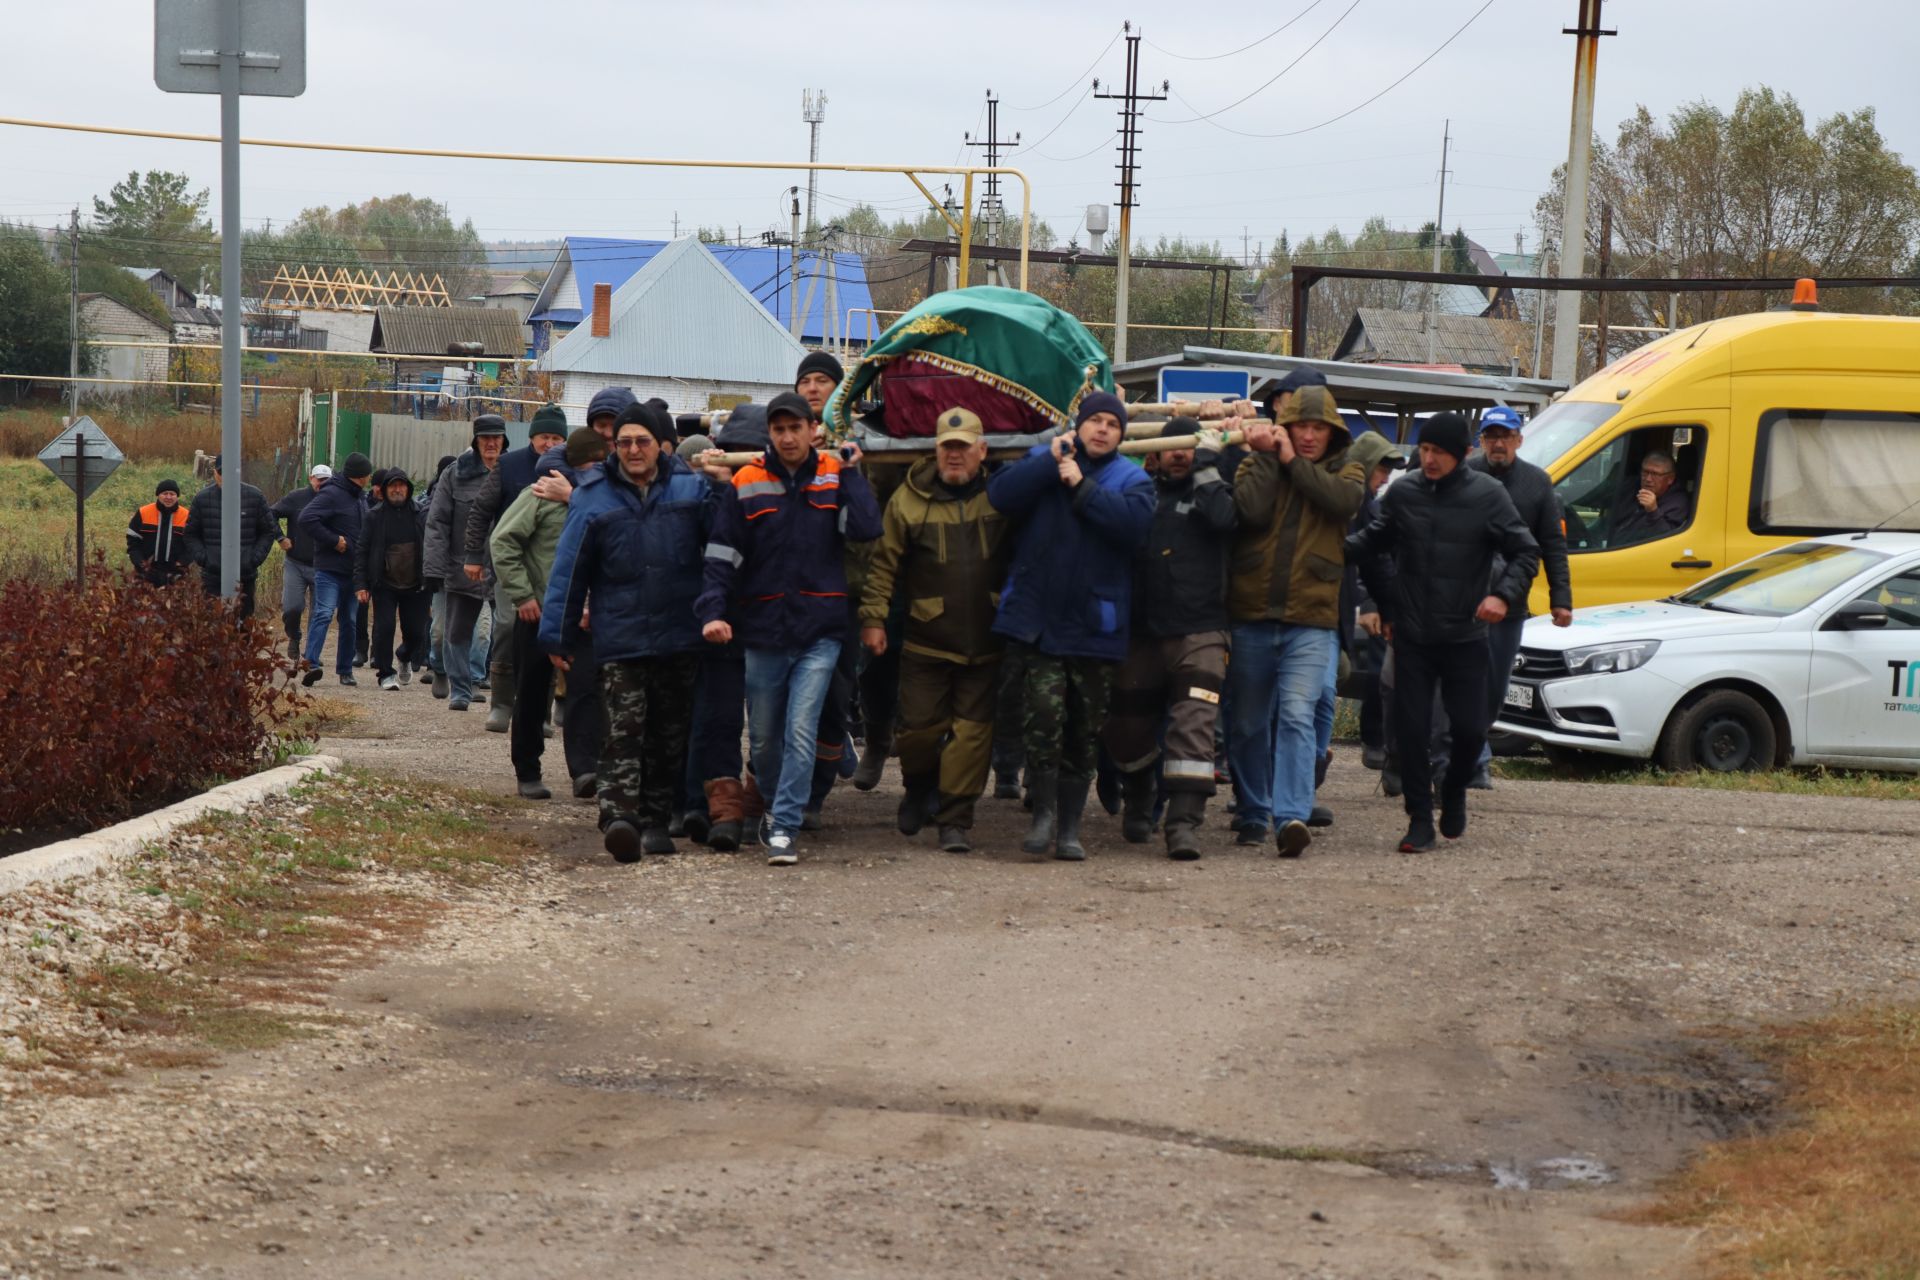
(1520,695)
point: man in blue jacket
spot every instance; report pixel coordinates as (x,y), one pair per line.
(776,575)
(632,540)
(1084,511)
(333,520)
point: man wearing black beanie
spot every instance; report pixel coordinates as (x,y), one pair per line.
(816,380)
(1442,528)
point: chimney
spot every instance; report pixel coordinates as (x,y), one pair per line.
(602,310)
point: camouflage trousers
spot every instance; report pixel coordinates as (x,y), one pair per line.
(648,704)
(1066,706)
(946,731)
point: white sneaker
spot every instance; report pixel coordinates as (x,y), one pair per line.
(780,850)
(392,683)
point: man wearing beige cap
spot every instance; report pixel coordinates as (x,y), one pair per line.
(946,548)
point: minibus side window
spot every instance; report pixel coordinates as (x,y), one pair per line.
(1821,471)
(1600,498)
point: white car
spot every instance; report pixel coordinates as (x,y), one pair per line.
(1809,654)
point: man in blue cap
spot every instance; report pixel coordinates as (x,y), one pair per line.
(1531,489)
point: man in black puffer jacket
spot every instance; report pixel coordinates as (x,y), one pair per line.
(333,520)
(258,532)
(1444,529)
(1531,489)
(1176,660)
(389,580)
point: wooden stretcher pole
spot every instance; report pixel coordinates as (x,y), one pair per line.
(1232,434)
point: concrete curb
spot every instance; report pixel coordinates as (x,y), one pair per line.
(86,854)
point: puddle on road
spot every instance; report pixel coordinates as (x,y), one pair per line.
(1557,1173)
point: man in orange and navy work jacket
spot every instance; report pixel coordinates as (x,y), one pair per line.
(156,537)
(776,576)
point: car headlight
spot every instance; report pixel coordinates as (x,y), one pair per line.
(1599,659)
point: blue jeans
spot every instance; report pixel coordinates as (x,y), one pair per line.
(785,691)
(1275,682)
(332,593)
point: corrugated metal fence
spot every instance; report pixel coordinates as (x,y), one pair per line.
(414,444)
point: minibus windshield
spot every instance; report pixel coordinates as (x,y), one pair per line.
(1557,429)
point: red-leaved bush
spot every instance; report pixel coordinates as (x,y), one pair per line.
(122,696)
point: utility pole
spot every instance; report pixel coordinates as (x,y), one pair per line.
(1130,99)
(1439,231)
(73,320)
(793,258)
(1606,268)
(990,211)
(1573,213)
(953,237)
(676,224)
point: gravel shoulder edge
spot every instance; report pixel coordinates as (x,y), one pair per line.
(96,851)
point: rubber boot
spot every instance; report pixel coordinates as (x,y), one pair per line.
(753,807)
(873,761)
(1006,771)
(725,805)
(1184,810)
(916,807)
(1072,804)
(1136,798)
(1042,791)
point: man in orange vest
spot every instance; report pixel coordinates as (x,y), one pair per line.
(156,536)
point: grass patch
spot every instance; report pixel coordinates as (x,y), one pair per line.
(275,903)
(1836,1194)
(1856,784)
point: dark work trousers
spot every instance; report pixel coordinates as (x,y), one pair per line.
(408,609)
(533,671)
(880,689)
(210,579)
(586,726)
(1459,672)
(1371,656)
(648,703)
(1503,646)
(836,714)
(363,637)
(720,697)
(1010,713)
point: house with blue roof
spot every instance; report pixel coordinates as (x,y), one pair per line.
(683,328)
(765,271)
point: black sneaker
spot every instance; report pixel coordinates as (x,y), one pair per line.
(311,676)
(622,840)
(1453,815)
(586,786)
(1320,817)
(1419,837)
(534,789)
(1250,834)
(346,678)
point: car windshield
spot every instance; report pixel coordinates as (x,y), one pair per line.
(1559,427)
(1781,582)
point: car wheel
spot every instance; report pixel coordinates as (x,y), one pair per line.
(1502,743)
(1725,731)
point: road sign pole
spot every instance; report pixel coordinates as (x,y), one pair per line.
(232,311)
(80,512)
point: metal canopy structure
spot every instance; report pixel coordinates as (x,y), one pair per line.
(1374,389)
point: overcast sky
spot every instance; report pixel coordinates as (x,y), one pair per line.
(723,80)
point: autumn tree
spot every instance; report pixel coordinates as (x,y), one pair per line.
(154,220)
(1752,192)
(387,233)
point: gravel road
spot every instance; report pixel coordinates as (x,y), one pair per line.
(890,1061)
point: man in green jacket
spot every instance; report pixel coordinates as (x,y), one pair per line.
(1294,495)
(946,546)
(523,544)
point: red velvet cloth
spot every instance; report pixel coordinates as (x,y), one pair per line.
(916,394)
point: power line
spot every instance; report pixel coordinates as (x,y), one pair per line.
(1294,133)
(1079,79)
(1083,155)
(1276,75)
(1085,94)
(1214,57)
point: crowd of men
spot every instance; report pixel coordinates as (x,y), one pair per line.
(1067,623)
